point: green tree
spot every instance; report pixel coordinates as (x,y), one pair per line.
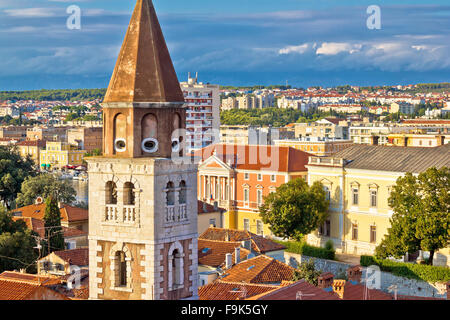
(295,209)
(307,271)
(54,237)
(45,185)
(13,171)
(17,244)
(421,219)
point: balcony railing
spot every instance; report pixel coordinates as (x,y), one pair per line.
(326,161)
(112,213)
(129,214)
(176,213)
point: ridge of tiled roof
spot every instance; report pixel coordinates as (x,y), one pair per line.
(29,278)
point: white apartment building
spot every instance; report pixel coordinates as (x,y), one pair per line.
(202,113)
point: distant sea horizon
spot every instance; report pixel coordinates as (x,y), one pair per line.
(239,79)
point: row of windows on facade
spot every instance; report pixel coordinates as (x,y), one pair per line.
(355,196)
(259,226)
(129,196)
(60,158)
(273,177)
(325,230)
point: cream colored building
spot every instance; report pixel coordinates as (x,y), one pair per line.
(402,107)
(60,154)
(358,181)
(324,128)
(316,146)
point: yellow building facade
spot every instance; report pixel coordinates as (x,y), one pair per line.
(60,154)
(358,182)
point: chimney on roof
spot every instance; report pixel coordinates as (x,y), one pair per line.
(325,280)
(247,244)
(354,274)
(339,287)
(237,255)
(227,236)
(228,261)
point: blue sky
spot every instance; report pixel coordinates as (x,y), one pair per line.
(234,42)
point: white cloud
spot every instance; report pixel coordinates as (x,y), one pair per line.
(294,49)
(32,12)
(333,48)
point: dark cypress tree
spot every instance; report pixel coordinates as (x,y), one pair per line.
(54,238)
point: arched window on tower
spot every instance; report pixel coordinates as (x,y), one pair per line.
(121,266)
(111,193)
(176,266)
(182,197)
(170,199)
(149,133)
(128,194)
(120,133)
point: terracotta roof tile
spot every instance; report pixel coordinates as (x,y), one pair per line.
(356,292)
(300,290)
(259,243)
(29,278)
(261,269)
(209,208)
(258,157)
(213,253)
(38,226)
(219,290)
(78,257)
(37,211)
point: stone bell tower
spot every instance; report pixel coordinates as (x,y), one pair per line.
(142,205)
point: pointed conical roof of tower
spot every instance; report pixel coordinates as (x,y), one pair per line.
(144,71)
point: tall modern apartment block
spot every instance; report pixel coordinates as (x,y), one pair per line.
(202,113)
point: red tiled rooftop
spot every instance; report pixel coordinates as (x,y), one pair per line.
(261,269)
(300,290)
(219,290)
(216,254)
(209,208)
(259,243)
(38,226)
(79,257)
(37,211)
(258,157)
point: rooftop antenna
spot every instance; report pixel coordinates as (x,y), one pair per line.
(299,295)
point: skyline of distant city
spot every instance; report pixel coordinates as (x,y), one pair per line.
(237,43)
